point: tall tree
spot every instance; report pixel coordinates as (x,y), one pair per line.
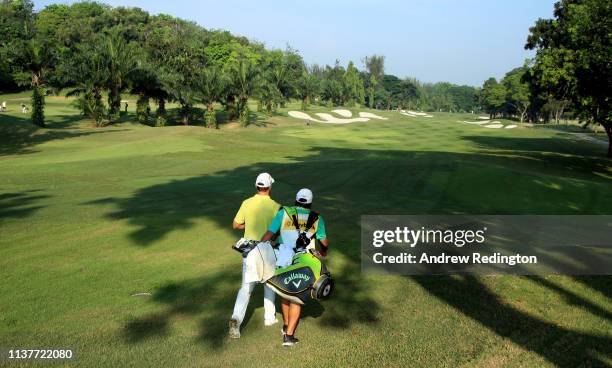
(180,89)
(36,60)
(517,92)
(307,86)
(246,81)
(373,83)
(493,96)
(146,84)
(375,67)
(16,25)
(355,92)
(122,60)
(91,73)
(211,86)
(572,62)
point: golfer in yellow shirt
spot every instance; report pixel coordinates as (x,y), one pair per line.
(254,217)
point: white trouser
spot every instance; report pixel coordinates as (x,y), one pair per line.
(244,294)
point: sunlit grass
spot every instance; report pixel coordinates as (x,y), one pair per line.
(90,216)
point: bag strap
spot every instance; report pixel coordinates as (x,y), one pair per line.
(312,218)
(292,212)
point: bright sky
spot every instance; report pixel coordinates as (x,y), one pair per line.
(463,42)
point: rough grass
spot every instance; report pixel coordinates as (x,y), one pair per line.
(90,216)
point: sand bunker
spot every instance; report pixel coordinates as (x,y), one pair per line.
(489,124)
(475,122)
(334,120)
(414,114)
(303,116)
(371,116)
(343,113)
(483,117)
(330,119)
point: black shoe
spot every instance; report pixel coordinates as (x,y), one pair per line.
(289,340)
(284,330)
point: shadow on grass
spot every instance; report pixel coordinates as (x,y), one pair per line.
(545,148)
(206,297)
(19,204)
(574,299)
(559,345)
(19,136)
(350,182)
(602,285)
(211,300)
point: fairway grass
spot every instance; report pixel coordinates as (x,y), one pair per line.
(91,216)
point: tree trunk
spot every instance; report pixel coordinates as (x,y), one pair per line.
(35,80)
(185,116)
(114,103)
(608,129)
(523,114)
(38,107)
(243,111)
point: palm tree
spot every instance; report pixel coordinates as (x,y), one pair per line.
(268,94)
(371,91)
(35,58)
(92,76)
(121,62)
(146,84)
(211,85)
(246,78)
(278,78)
(180,90)
(307,86)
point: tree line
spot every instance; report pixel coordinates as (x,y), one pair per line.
(94,50)
(571,70)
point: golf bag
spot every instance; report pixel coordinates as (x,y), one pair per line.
(305,279)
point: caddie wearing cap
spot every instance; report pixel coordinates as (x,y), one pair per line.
(299,228)
(254,216)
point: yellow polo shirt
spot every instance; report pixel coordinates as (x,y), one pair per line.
(256,213)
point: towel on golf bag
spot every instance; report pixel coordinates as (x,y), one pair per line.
(260,263)
(305,279)
(284,255)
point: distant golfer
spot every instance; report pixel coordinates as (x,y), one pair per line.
(254,216)
(289,233)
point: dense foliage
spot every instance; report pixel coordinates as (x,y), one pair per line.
(573,63)
(98,52)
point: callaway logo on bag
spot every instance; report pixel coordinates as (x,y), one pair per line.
(294,276)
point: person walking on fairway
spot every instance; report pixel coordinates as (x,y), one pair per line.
(254,217)
(285,224)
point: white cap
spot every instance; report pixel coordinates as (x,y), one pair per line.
(264,180)
(304,195)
